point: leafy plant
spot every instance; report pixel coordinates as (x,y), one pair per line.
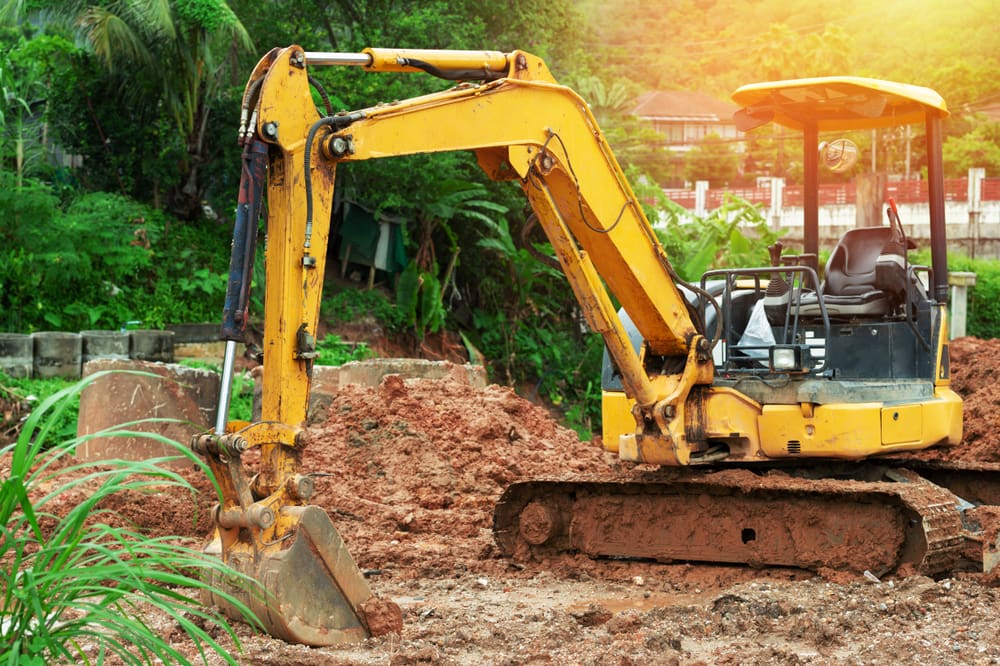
(418,296)
(535,337)
(350,305)
(580,414)
(131,40)
(712,160)
(35,391)
(734,234)
(978,148)
(72,580)
(26,70)
(983,307)
(421,287)
(101,260)
(334,351)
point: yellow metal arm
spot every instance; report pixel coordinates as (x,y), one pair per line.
(522,127)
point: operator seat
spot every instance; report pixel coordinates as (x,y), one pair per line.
(865,277)
(866,269)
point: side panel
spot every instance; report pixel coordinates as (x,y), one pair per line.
(836,431)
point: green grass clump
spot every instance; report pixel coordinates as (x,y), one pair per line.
(35,391)
(76,589)
(334,351)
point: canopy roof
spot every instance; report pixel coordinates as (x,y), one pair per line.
(836,103)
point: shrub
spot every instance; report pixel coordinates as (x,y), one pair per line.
(983,308)
(33,392)
(983,316)
(351,305)
(334,351)
(102,260)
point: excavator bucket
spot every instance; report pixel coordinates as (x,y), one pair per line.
(293,570)
(311,591)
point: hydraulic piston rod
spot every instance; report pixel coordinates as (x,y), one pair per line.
(448,64)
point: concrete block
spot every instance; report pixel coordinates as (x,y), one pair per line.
(371,372)
(173,391)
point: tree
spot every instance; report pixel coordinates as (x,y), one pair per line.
(178,49)
(22,88)
(978,148)
(712,160)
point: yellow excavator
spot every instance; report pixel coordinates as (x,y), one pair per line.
(841,367)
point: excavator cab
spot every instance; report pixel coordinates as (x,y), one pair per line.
(869,325)
(868,278)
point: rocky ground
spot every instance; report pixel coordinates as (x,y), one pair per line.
(409,473)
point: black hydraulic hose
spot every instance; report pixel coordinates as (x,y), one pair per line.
(235,311)
(246,117)
(251,92)
(337,122)
(307,163)
(693,312)
(452,74)
(322,93)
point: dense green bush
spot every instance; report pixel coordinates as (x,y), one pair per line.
(334,351)
(350,305)
(35,391)
(983,310)
(983,318)
(100,260)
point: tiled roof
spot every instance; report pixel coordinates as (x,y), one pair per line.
(683,105)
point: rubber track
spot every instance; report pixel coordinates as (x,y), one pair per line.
(738,517)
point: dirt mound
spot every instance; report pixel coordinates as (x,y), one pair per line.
(415,467)
(975,375)
(409,472)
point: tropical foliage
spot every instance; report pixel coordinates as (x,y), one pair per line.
(174,54)
(100,260)
(734,234)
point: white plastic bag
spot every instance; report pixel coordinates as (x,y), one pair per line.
(757,333)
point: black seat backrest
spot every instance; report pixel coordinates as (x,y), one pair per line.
(850,270)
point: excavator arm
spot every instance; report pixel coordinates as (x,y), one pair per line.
(522,126)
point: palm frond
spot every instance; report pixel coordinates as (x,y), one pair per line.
(111,38)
